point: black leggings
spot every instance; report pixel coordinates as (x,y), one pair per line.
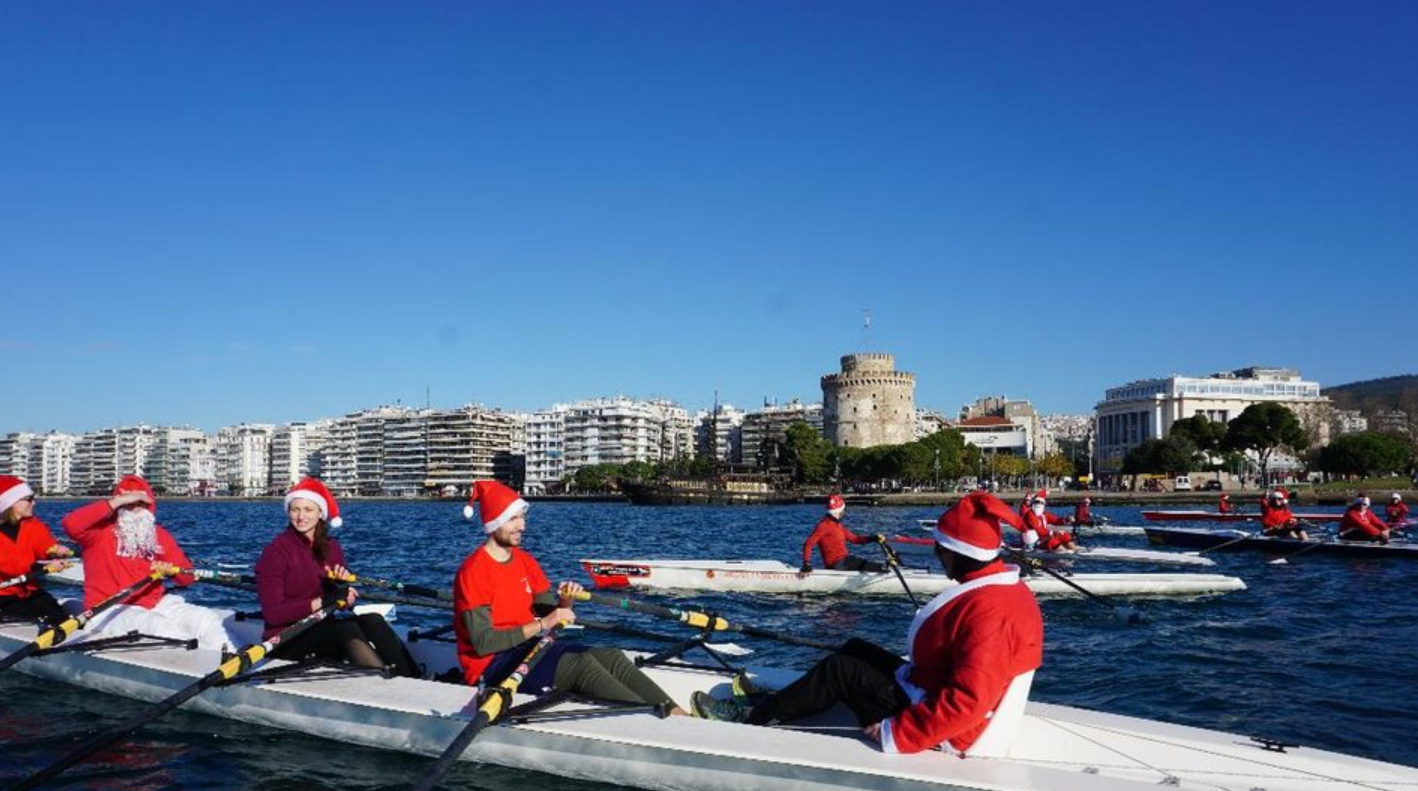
(39,606)
(854,563)
(340,639)
(860,675)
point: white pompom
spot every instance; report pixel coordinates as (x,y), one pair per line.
(468,512)
(336,523)
(1031,538)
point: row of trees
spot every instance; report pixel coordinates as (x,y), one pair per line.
(1196,443)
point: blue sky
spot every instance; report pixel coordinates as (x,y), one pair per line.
(223,212)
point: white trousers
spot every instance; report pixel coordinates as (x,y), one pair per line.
(170,617)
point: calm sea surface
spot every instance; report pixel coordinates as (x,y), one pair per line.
(1320,651)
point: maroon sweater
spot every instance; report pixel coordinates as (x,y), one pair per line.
(288,577)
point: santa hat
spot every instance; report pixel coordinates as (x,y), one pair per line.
(136,483)
(1281,494)
(1395,496)
(12,490)
(972,526)
(1042,494)
(836,505)
(499,504)
(313,490)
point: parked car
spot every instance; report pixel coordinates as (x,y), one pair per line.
(1213,485)
(1182,484)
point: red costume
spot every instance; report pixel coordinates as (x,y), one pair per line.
(1223,506)
(105,573)
(506,589)
(1039,523)
(831,536)
(19,551)
(1081,513)
(1276,518)
(1361,524)
(1396,513)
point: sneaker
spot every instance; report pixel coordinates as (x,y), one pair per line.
(710,708)
(744,687)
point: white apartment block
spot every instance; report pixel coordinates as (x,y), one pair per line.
(763,429)
(297,450)
(20,456)
(545,448)
(470,443)
(1020,413)
(405,454)
(1142,410)
(929,422)
(182,462)
(243,455)
(719,434)
(95,468)
(621,430)
(56,463)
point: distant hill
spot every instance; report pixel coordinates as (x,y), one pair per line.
(1391,392)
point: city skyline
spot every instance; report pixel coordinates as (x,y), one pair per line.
(235,213)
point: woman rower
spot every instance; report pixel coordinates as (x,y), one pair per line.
(24,542)
(502,604)
(297,575)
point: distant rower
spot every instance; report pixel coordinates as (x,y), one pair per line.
(1036,527)
(1277,520)
(1223,506)
(1361,524)
(1081,513)
(1396,512)
(831,537)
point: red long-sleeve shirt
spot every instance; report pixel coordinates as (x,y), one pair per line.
(1395,513)
(1366,522)
(1039,523)
(1275,518)
(105,573)
(31,542)
(831,537)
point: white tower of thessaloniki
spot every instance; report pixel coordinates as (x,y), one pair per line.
(869,403)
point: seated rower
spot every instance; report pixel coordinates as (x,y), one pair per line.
(1396,512)
(24,542)
(1277,520)
(121,542)
(298,574)
(1082,514)
(503,603)
(1036,532)
(973,652)
(831,537)
(1223,506)
(1361,524)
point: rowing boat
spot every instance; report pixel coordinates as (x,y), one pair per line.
(1058,748)
(917,549)
(1212,516)
(1240,539)
(1095,529)
(772,576)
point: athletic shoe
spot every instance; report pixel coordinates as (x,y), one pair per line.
(744,687)
(710,708)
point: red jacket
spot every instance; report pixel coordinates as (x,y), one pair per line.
(1223,506)
(967,645)
(105,573)
(833,536)
(1275,518)
(1395,513)
(31,542)
(1081,514)
(1366,522)
(1040,524)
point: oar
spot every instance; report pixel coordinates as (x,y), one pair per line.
(1124,614)
(57,634)
(1222,545)
(495,702)
(244,660)
(1318,542)
(894,561)
(698,620)
(42,567)
(399,587)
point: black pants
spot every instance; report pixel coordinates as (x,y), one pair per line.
(329,638)
(38,607)
(854,563)
(860,675)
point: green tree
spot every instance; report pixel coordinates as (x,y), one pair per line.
(1207,435)
(807,453)
(1054,465)
(636,471)
(1007,465)
(1170,456)
(1366,453)
(594,478)
(1263,428)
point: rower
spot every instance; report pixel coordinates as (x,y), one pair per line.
(973,653)
(1396,512)
(121,543)
(1081,513)
(1277,520)
(1036,530)
(24,542)
(1361,524)
(299,572)
(503,604)
(832,537)
(1223,506)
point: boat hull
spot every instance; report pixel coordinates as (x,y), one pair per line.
(771,576)
(1195,538)
(917,550)
(1212,516)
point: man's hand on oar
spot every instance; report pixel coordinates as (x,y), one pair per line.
(494,703)
(60,632)
(1125,614)
(244,660)
(698,620)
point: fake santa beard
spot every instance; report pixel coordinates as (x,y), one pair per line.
(137,533)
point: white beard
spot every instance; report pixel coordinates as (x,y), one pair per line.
(137,533)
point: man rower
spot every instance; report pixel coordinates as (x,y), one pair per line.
(1036,530)
(1082,514)
(1361,524)
(1396,512)
(121,543)
(1277,520)
(973,652)
(831,537)
(503,604)
(1223,506)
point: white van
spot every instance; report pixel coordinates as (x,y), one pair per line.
(1182,484)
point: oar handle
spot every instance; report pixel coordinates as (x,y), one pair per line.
(697,620)
(402,587)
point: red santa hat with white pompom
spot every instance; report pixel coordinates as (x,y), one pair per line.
(972,526)
(313,490)
(12,490)
(498,503)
